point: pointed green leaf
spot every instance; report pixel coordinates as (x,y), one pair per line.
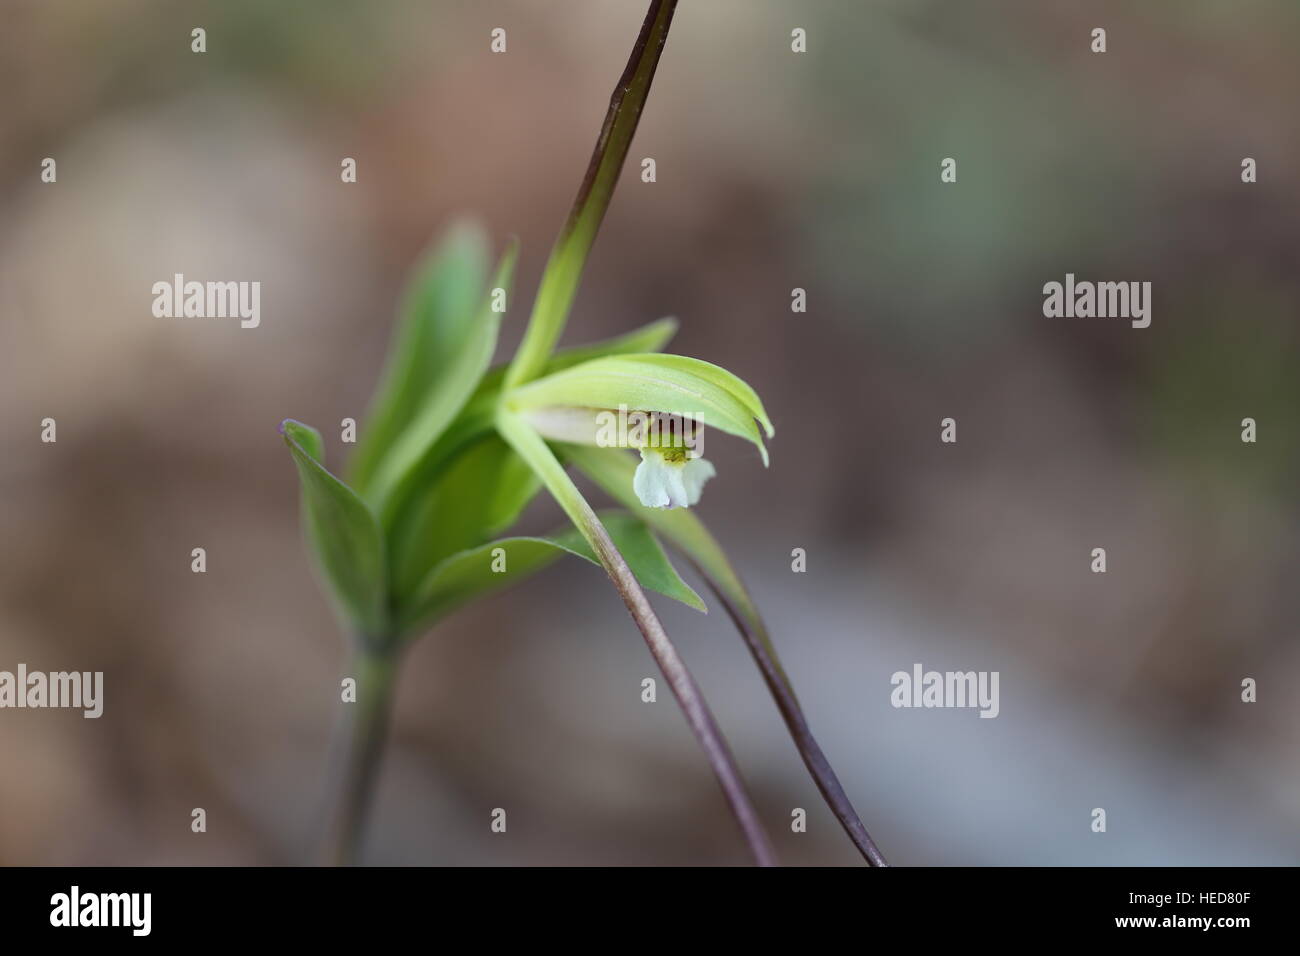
(564,268)
(684,386)
(344,535)
(437,312)
(643,555)
(460,373)
(479,495)
(471,574)
(468,575)
(649,338)
(308,438)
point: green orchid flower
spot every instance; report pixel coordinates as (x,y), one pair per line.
(657,404)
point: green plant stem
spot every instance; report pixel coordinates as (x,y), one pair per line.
(534,450)
(360,746)
(569,255)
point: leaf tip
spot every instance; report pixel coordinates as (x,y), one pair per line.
(667,326)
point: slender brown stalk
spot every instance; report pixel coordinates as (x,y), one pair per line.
(814,759)
(687,693)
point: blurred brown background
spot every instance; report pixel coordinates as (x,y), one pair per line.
(775,170)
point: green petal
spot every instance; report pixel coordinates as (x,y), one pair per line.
(344,536)
(718,376)
(680,386)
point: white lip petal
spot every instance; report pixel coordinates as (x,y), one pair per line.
(695,473)
(662,484)
(648,483)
